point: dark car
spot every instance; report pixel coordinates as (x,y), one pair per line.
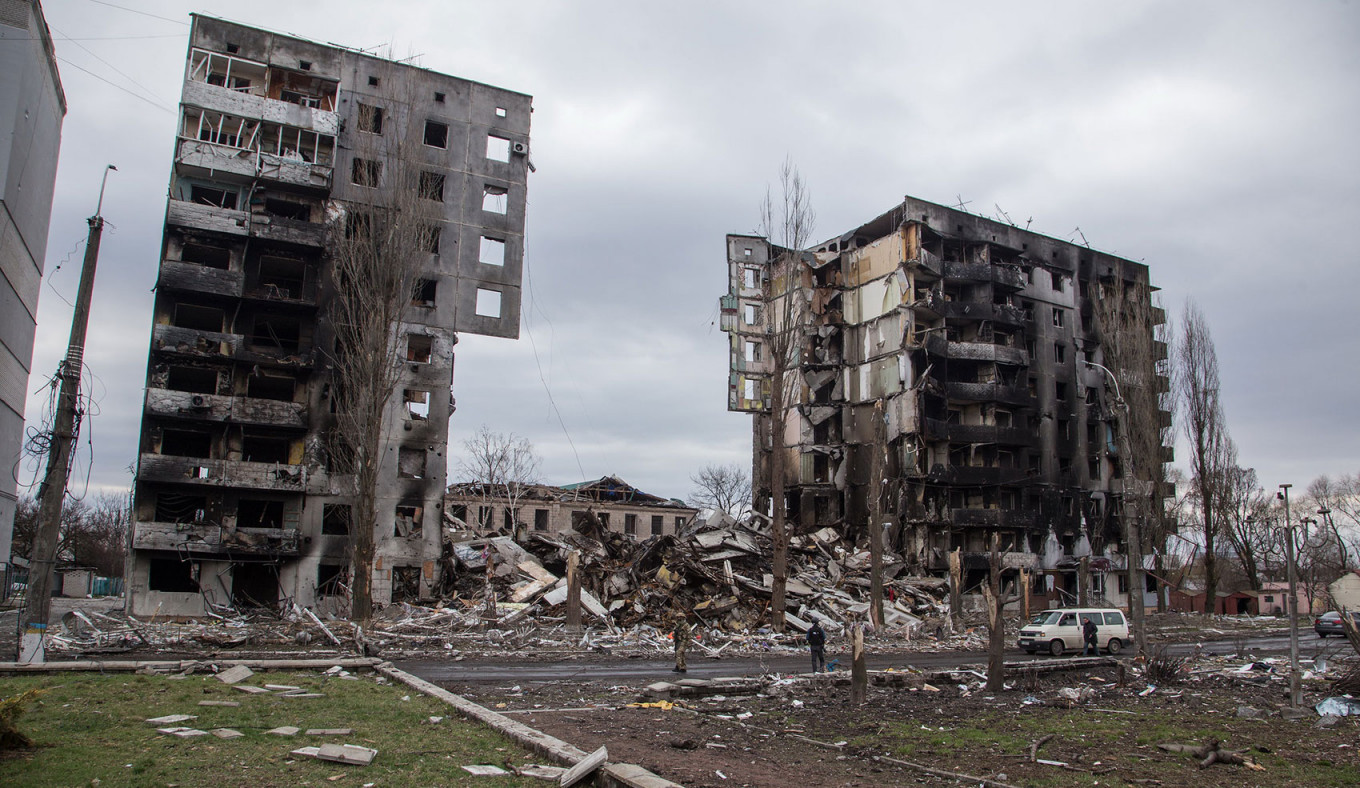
(1330,624)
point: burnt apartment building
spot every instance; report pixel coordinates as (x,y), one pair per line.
(958,355)
(236,502)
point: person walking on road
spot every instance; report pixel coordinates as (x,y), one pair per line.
(816,638)
(1088,633)
(681,636)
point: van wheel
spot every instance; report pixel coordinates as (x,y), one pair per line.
(1114,646)
(1056,647)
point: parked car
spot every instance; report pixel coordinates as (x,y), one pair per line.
(1330,624)
(1059,630)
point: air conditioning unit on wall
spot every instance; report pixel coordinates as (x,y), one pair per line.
(519,148)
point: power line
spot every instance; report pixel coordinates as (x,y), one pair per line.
(116,85)
(528,282)
(124,75)
(143,13)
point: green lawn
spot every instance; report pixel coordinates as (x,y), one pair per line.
(90,729)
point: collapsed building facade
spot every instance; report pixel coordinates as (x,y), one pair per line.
(238,500)
(608,503)
(958,365)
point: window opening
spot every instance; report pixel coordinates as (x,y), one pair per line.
(540,519)
(205,255)
(432,186)
(497,148)
(370,119)
(492,252)
(265,448)
(408,520)
(186,443)
(217,198)
(330,580)
(172,575)
(488,303)
(288,209)
(500,112)
(279,333)
(335,519)
(439,97)
(177,508)
(198,318)
(192,379)
(417,404)
(658,524)
(419,348)
(436,134)
(429,238)
(366,173)
(252,513)
(495,199)
(374,82)
(424,292)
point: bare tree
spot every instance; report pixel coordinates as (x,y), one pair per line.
(723,487)
(1244,509)
(788,226)
(378,239)
(91,534)
(1337,502)
(502,465)
(1212,455)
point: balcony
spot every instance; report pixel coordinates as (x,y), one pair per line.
(936,429)
(244,104)
(993,518)
(1005,277)
(192,277)
(204,472)
(986,351)
(207,217)
(292,231)
(193,343)
(217,408)
(1004,314)
(988,392)
(214,540)
(925,261)
(211,160)
(295,172)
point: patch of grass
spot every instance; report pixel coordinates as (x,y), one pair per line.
(91,726)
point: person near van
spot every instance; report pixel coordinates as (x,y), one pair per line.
(816,638)
(1088,633)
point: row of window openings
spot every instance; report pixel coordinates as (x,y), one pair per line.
(486,516)
(435,135)
(411,462)
(430,186)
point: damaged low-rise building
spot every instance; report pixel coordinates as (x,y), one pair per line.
(236,503)
(961,366)
(605,505)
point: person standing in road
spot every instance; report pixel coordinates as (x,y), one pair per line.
(1088,633)
(816,638)
(681,636)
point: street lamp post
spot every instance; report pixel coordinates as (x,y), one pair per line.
(1133,533)
(1295,695)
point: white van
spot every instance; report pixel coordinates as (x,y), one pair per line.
(1059,630)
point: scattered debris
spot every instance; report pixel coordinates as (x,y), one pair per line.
(1338,706)
(171,719)
(585,767)
(484,770)
(283,730)
(234,675)
(227,733)
(351,754)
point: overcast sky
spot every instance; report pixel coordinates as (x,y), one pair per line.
(1216,142)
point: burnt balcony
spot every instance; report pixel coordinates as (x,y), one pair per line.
(295,171)
(971,476)
(217,408)
(989,392)
(194,343)
(198,216)
(1002,314)
(978,433)
(204,472)
(203,159)
(1003,276)
(196,278)
(993,518)
(927,262)
(290,231)
(214,540)
(987,351)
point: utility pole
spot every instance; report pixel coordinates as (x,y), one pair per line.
(1295,693)
(52,491)
(1133,532)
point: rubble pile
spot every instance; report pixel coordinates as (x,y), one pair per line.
(718,569)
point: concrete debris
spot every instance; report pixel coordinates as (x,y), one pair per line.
(329,731)
(484,770)
(283,730)
(234,675)
(183,733)
(227,733)
(346,753)
(171,719)
(584,768)
(229,703)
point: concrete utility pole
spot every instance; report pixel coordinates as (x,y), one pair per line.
(1133,531)
(1295,692)
(52,491)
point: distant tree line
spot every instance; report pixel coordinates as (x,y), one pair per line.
(93,531)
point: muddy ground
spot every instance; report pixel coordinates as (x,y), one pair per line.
(806,733)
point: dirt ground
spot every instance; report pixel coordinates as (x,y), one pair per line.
(1109,739)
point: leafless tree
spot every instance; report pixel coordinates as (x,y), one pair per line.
(1337,503)
(788,225)
(1246,526)
(1211,452)
(377,240)
(723,487)
(92,534)
(502,465)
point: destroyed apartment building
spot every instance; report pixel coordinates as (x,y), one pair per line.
(959,363)
(236,502)
(608,504)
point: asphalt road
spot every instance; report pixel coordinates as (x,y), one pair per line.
(633,671)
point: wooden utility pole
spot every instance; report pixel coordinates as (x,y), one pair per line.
(66,421)
(996,622)
(574,590)
(859,673)
(955,587)
(1024,589)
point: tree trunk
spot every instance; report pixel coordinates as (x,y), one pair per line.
(574,590)
(955,587)
(996,629)
(779,528)
(859,673)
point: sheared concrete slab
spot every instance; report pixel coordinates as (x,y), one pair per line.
(183,733)
(171,719)
(482,770)
(251,690)
(329,731)
(585,767)
(231,703)
(233,675)
(346,753)
(227,733)
(284,730)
